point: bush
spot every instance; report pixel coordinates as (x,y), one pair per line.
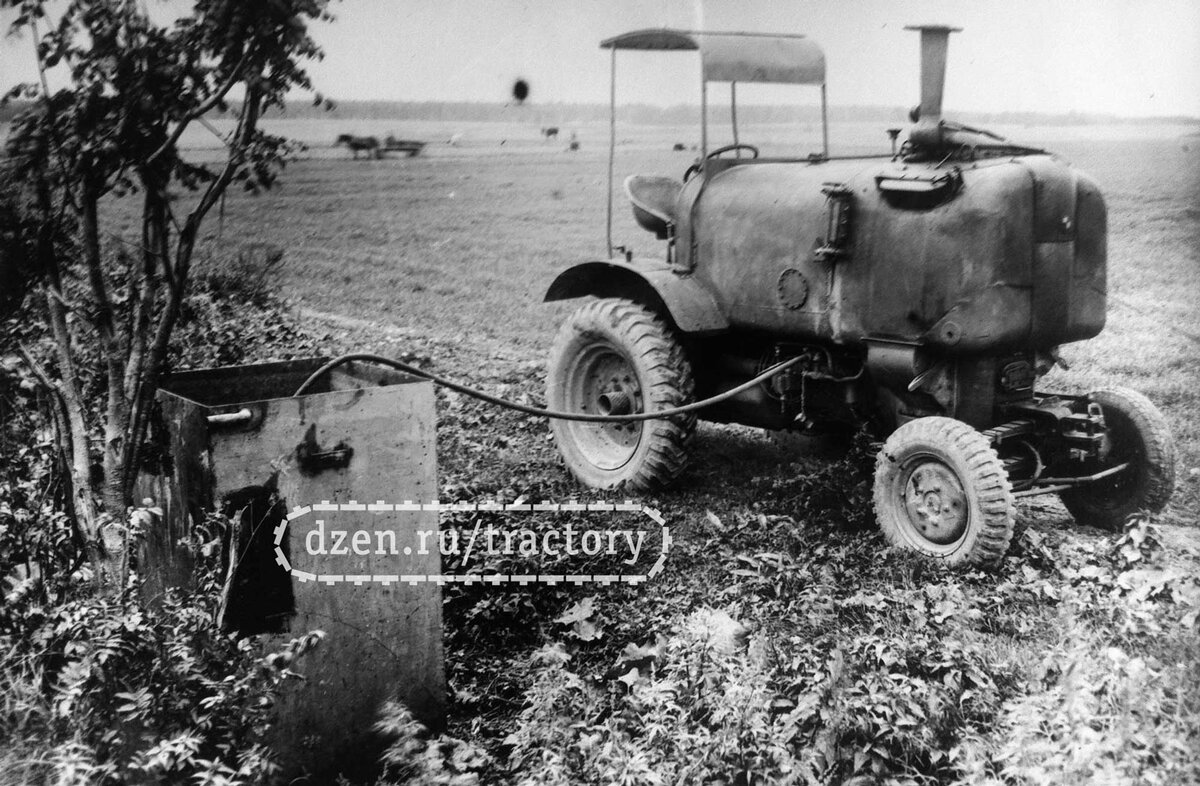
(109,690)
(689,712)
(234,314)
(246,274)
(36,542)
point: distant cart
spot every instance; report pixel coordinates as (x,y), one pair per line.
(410,147)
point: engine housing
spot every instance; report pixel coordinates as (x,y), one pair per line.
(988,256)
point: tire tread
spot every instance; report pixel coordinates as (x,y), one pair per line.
(652,343)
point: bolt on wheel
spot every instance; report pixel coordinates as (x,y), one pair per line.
(935,501)
(941,490)
(601,381)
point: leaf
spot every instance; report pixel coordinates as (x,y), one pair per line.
(551,655)
(944,610)
(586,631)
(633,652)
(713,521)
(578,612)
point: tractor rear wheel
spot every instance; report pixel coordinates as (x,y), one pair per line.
(1138,434)
(614,357)
(941,490)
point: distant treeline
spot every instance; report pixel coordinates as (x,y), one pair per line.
(561,113)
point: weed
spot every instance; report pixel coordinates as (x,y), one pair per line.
(108,690)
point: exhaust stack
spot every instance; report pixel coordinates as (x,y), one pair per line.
(935,41)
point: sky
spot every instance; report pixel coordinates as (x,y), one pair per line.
(1112,56)
(1122,57)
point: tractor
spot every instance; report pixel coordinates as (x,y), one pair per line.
(919,293)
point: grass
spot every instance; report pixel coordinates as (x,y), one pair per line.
(1083,679)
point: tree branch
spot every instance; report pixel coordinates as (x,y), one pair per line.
(57,294)
(114,353)
(184,249)
(52,388)
(247,125)
(153,228)
(155,247)
(204,108)
(41,64)
(60,420)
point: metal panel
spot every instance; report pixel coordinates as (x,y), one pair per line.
(659,39)
(1054,190)
(753,231)
(954,270)
(987,263)
(384,640)
(690,305)
(1089,273)
(1051,304)
(736,57)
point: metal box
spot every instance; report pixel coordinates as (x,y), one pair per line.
(236,442)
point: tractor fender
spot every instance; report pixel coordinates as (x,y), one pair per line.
(685,301)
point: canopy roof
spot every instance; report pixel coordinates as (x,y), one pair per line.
(736,57)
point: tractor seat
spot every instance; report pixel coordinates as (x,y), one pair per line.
(654,198)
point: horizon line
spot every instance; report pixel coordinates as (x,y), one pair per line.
(306,105)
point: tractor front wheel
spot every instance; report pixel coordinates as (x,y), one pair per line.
(941,490)
(1138,434)
(616,357)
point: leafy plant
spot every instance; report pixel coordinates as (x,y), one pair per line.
(414,756)
(113,691)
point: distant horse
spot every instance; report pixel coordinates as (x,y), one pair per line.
(550,132)
(357,144)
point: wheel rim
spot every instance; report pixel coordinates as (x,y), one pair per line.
(934,502)
(602,381)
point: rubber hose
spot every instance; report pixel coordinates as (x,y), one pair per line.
(778,368)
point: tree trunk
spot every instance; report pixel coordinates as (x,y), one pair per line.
(73,440)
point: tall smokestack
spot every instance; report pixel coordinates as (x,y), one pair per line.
(935,41)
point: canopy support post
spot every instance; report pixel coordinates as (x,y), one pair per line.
(824,122)
(733,113)
(703,115)
(612,145)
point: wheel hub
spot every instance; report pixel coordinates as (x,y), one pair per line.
(616,402)
(605,383)
(936,502)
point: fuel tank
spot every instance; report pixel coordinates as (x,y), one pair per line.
(975,257)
